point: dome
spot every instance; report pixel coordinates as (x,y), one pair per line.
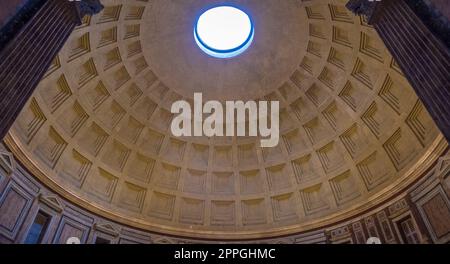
(97,128)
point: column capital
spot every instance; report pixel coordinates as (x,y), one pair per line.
(88,7)
(368,8)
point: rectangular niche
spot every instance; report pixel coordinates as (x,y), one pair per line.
(314,199)
(317,94)
(253,212)
(140,65)
(294,142)
(30,121)
(223,213)
(192,211)
(340,13)
(134,48)
(286,122)
(55,64)
(145,108)
(298,79)
(272,154)
(316,130)
(102,184)
(371,46)
(148,79)
(175,150)
(251,182)
(223,156)
(168,176)
(379,118)
(288,92)
(107,37)
(308,64)
(199,155)
(345,188)
(72,118)
(339,58)
(152,142)
(355,141)
(421,124)
(111,58)
(75,167)
(302,108)
(135,12)
(330,157)
(194,181)
(110,14)
(161,119)
(159,91)
(161,206)
(396,95)
(93,139)
(278,177)
(247,155)
(110,114)
(283,207)
(354,95)
(337,117)
(116,155)
(120,77)
(14,206)
(132,31)
(305,170)
(95,95)
(365,74)
(50,149)
(131,94)
(85,73)
(130,130)
(401,149)
(132,197)
(140,168)
(315,12)
(315,48)
(223,182)
(341,36)
(56,94)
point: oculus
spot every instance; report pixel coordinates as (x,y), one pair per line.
(224,32)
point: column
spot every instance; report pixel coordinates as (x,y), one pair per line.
(420,48)
(28,46)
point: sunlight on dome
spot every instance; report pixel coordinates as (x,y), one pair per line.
(224,32)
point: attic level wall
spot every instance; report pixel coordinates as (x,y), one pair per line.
(424,209)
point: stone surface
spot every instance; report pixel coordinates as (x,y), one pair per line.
(96,130)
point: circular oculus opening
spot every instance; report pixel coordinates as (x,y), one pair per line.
(224,32)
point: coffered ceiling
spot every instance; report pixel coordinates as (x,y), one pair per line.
(97,129)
